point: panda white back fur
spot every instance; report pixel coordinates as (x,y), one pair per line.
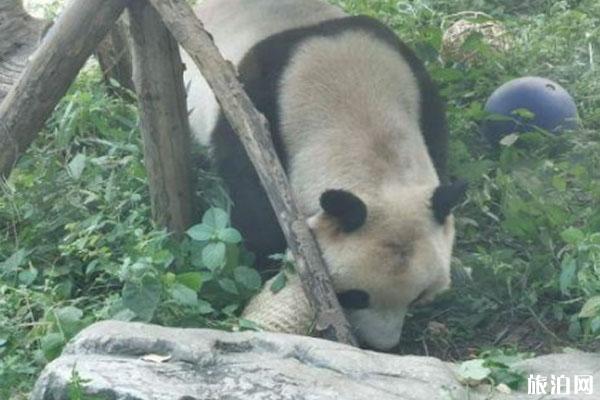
(360,129)
(236,26)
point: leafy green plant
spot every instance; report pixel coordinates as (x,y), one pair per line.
(496,367)
(77,243)
(287,267)
(76,388)
(217,251)
(580,280)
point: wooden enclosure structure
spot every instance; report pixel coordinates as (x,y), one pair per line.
(158,28)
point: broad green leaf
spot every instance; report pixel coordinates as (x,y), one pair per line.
(572,236)
(124,315)
(196,256)
(230,235)
(65,130)
(184,295)
(92,267)
(567,275)
(228,285)
(69,320)
(52,345)
(77,165)
(497,117)
(142,298)
(246,324)
(279,282)
(169,278)
(64,289)
(215,218)
(28,276)
(591,308)
(232,258)
(68,315)
(192,280)
(509,140)
(473,371)
(213,255)
(523,113)
(204,307)
(230,309)
(247,277)
(163,257)
(201,232)
(12,263)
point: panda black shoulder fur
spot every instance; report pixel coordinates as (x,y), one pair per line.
(361,131)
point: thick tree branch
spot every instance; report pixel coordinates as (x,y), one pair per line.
(158,78)
(20,34)
(114,55)
(252,129)
(49,73)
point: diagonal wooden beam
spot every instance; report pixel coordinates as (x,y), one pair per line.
(49,73)
(252,129)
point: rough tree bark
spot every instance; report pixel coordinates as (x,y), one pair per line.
(114,55)
(49,73)
(158,78)
(20,35)
(252,129)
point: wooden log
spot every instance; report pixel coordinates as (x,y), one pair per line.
(252,129)
(20,35)
(158,79)
(114,55)
(49,73)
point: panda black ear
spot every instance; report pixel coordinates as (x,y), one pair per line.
(445,198)
(348,210)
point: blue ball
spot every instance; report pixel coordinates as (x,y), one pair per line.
(553,108)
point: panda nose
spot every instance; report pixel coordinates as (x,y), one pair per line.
(353,299)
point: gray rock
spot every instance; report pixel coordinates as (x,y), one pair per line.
(132,361)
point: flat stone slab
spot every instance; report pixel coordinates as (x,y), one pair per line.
(134,361)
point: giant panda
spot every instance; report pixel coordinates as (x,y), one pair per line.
(361,132)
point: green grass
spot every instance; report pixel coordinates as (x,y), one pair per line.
(77,244)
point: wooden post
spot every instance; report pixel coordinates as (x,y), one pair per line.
(158,79)
(49,73)
(252,129)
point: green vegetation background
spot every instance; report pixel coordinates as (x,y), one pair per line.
(77,244)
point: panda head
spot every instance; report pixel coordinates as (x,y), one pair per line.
(386,251)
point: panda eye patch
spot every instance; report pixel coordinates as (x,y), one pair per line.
(353,299)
